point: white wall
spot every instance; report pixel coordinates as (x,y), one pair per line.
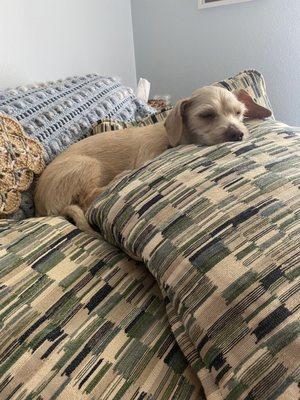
(49,39)
(180,48)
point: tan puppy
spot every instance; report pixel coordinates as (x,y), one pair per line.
(72,181)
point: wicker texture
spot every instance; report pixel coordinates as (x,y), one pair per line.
(20,158)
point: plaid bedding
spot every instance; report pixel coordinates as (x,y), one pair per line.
(218,228)
(80,320)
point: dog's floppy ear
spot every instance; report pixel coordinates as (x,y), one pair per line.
(254,110)
(174,124)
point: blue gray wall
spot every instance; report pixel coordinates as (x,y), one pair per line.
(49,39)
(179,48)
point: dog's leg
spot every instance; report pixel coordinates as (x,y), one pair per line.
(87,199)
(119,177)
(77,215)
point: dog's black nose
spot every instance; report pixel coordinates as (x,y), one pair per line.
(234,135)
(237,136)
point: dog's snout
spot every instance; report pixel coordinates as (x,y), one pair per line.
(233,134)
(236,136)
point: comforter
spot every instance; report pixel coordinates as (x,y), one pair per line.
(205,303)
(218,229)
(80,320)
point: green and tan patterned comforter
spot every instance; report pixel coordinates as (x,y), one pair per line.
(218,228)
(203,306)
(80,320)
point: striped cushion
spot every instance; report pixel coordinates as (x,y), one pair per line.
(80,320)
(219,229)
(107,125)
(253,82)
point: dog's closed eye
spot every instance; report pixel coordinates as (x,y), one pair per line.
(208,115)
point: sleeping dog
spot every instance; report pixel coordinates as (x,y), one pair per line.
(75,178)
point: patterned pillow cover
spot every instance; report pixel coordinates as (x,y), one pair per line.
(107,125)
(219,229)
(20,158)
(62,112)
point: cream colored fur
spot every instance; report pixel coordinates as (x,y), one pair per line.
(76,177)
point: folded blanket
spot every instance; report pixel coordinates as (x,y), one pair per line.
(218,228)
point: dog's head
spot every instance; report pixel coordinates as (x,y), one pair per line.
(211,115)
